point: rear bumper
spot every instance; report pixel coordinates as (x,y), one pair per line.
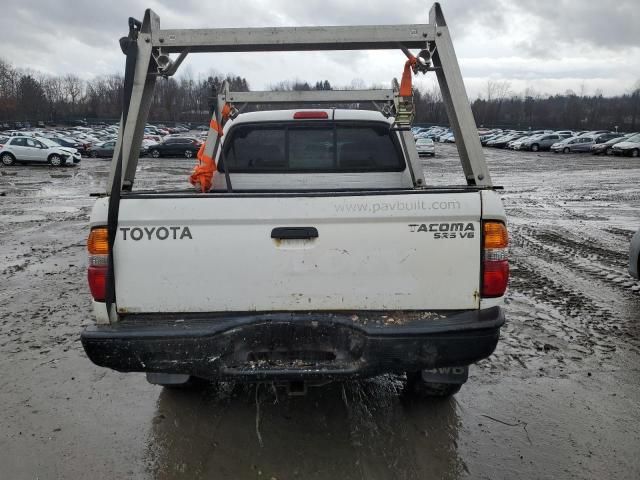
(294,346)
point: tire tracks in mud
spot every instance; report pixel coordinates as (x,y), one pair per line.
(563,304)
(582,255)
(42,295)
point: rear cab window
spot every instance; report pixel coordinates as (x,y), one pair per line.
(308,147)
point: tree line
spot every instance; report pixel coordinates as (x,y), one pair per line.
(34,96)
(500,107)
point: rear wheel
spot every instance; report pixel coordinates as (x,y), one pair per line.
(7,159)
(535,147)
(93,154)
(155,153)
(566,150)
(56,160)
(608,151)
(188,154)
(635,152)
(417,387)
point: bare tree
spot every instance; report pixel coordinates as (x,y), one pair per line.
(53,91)
(73,89)
(498,90)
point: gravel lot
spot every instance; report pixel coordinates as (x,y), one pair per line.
(560,398)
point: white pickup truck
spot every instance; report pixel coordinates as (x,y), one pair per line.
(320,253)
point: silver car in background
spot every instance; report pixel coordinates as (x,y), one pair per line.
(543,142)
(425,147)
(573,144)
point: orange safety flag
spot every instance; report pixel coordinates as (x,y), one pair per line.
(405,85)
(204,171)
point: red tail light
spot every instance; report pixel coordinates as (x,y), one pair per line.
(495,277)
(310,114)
(495,266)
(98,248)
(98,283)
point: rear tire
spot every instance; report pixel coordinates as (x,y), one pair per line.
(635,152)
(7,159)
(535,147)
(188,154)
(566,150)
(418,388)
(93,154)
(155,153)
(56,160)
(608,151)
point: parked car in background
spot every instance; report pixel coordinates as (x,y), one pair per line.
(22,133)
(29,149)
(517,143)
(501,142)
(176,146)
(67,142)
(3,140)
(485,139)
(605,137)
(630,147)
(593,133)
(565,133)
(574,144)
(153,138)
(179,129)
(425,147)
(542,142)
(75,154)
(102,149)
(607,147)
(634,256)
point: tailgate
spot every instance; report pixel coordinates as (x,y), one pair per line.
(400,251)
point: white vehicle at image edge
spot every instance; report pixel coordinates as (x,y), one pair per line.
(321,250)
(37,150)
(634,256)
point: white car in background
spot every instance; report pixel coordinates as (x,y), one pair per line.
(28,149)
(425,146)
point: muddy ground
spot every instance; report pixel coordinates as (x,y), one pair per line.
(560,397)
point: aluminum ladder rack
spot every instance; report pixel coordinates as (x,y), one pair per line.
(149,49)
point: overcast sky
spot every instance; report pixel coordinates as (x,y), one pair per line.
(547,45)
